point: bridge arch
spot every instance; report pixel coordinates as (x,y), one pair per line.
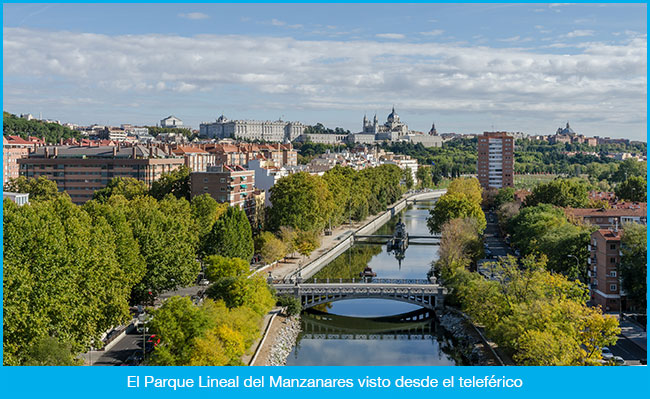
(430,296)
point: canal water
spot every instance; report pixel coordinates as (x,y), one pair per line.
(377,332)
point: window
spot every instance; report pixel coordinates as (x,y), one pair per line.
(612,287)
(612,246)
(612,260)
(222,180)
(205,180)
(612,273)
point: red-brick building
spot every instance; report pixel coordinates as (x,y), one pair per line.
(604,259)
(230,184)
(80,170)
(496,161)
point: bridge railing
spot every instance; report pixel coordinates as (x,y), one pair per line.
(361,280)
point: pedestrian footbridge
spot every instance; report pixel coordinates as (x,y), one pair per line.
(418,292)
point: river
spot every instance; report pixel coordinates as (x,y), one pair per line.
(377,332)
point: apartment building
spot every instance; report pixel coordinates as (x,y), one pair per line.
(81,170)
(232,184)
(13,149)
(603,262)
(496,161)
(196,158)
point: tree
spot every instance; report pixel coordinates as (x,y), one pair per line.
(306,242)
(205,211)
(632,189)
(408,178)
(633,267)
(40,189)
(505,194)
(468,186)
(49,351)
(425,177)
(288,237)
(455,205)
(560,192)
(178,322)
(217,267)
(230,236)
(62,277)
(168,242)
(176,182)
(127,187)
(291,303)
(251,292)
(301,201)
(630,168)
(270,247)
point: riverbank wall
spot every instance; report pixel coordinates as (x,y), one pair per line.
(316,265)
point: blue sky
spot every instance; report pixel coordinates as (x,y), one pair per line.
(469,68)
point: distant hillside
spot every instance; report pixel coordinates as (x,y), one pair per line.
(51,132)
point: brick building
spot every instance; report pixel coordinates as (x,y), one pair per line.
(496,162)
(13,148)
(604,259)
(80,170)
(196,158)
(233,185)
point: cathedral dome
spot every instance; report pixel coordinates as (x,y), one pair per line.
(393,116)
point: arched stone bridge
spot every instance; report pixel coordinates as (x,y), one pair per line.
(418,292)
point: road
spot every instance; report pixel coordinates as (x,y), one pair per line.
(493,239)
(121,351)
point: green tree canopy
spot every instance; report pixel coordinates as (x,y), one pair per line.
(270,247)
(455,205)
(633,267)
(62,277)
(176,182)
(230,236)
(560,192)
(127,187)
(301,201)
(633,189)
(39,189)
(217,267)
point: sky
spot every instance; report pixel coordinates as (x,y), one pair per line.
(467,67)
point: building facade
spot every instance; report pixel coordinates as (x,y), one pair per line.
(172,121)
(233,184)
(496,162)
(80,170)
(13,149)
(196,158)
(274,131)
(603,262)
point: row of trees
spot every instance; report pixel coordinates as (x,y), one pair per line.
(71,272)
(538,317)
(310,203)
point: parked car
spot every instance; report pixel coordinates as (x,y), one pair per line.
(204,282)
(619,361)
(607,354)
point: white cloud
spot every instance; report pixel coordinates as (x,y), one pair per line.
(276,22)
(580,33)
(390,36)
(604,81)
(194,15)
(435,32)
